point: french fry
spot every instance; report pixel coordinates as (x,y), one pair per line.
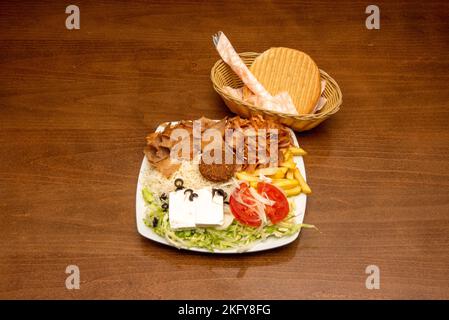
(293,191)
(290,174)
(280,174)
(245,176)
(289,164)
(304,186)
(297,151)
(287,155)
(285,183)
(266,171)
(253,184)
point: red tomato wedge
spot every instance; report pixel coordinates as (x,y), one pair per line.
(243,204)
(279,210)
(240,203)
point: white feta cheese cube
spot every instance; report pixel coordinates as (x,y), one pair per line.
(180,211)
(208,211)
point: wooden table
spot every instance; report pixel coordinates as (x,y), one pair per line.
(75,106)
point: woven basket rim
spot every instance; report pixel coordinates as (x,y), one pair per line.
(334,108)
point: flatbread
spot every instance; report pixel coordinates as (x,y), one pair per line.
(284,69)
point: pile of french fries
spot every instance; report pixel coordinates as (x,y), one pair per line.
(287,176)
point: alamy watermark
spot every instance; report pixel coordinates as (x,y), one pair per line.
(238,146)
(373,280)
(73,280)
(373,20)
(73,20)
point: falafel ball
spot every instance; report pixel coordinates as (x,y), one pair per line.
(217,172)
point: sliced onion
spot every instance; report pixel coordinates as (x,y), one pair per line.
(264,178)
(260,209)
(265,195)
(238,197)
(261,199)
(237,183)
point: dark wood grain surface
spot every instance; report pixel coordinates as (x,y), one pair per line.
(75,107)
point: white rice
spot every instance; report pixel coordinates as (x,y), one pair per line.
(188,171)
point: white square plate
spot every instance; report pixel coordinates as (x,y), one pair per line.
(269,243)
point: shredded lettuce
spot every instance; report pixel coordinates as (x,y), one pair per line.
(147,195)
(236,236)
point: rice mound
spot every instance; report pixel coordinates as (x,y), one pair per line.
(188,171)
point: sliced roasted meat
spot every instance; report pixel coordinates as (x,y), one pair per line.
(167,167)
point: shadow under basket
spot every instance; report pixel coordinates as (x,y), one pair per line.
(223,76)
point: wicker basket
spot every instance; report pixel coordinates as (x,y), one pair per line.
(222,76)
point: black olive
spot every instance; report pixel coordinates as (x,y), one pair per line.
(226,202)
(163,197)
(164,206)
(155,221)
(220,192)
(179,184)
(193,195)
(188,190)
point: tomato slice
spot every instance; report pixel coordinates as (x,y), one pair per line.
(241,212)
(247,215)
(279,210)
